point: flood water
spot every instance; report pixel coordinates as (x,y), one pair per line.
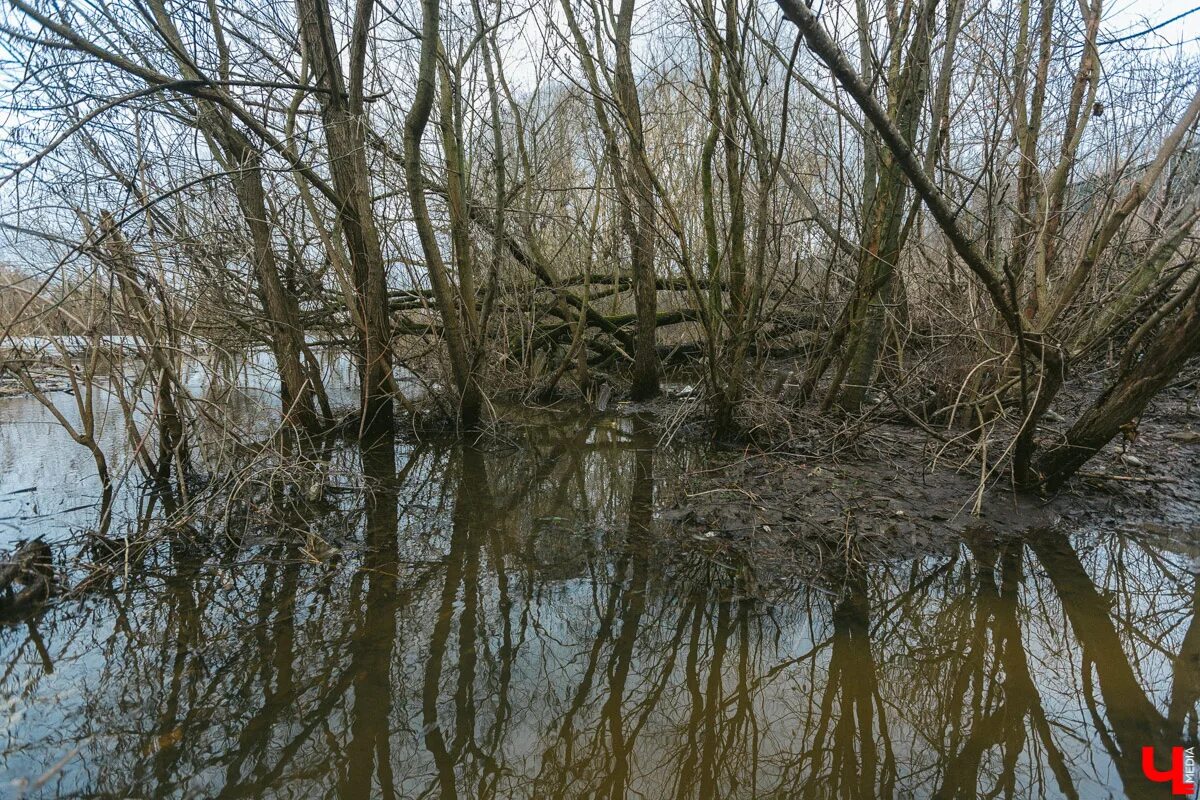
(517,622)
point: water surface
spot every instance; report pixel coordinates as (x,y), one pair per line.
(519,621)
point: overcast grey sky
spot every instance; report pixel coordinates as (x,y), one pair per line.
(1129,16)
(1122,18)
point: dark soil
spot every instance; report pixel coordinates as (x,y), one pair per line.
(888,498)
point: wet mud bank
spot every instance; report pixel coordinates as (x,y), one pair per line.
(896,493)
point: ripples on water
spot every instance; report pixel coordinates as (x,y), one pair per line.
(514,623)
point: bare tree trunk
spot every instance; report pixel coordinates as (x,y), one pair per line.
(876,287)
(470,396)
(286,341)
(645,357)
(345,138)
(720,400)
(172,443)
(470,392)
(634,187)
(298,388)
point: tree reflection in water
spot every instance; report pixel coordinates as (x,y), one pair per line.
(513,624)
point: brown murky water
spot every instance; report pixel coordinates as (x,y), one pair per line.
(513,623)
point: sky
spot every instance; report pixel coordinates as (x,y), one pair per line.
(1124,17)
(1121,18)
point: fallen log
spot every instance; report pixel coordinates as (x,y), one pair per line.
(30,566)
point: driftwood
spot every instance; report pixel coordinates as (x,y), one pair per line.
(31,568)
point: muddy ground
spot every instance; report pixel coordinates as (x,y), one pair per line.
(890,496)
